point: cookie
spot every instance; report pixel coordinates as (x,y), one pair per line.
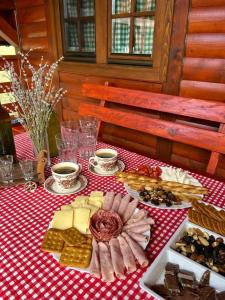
(73,237)
(209,211)
(206,222)
(53,241)
(78,256)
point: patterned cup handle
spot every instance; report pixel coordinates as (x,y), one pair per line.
(92,161)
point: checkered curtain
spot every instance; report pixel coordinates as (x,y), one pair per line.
(120,35)
(121,6)
(88,32)
(145,5)
(87,28)
(143,35)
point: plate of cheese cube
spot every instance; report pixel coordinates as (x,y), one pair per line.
(77,214)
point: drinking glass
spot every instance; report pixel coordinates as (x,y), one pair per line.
(88,122)
(70,131)
(67,150)
(87,142)
(27,167)
(6,167)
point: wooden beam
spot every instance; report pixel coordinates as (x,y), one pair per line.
(7,5)
(8,33)
(174,71)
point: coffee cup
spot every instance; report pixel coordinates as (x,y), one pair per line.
(65,174)
(105,160)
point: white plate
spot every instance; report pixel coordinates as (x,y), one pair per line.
(51,186)
(119,167)
(164,176)
(142,244)
(155,273)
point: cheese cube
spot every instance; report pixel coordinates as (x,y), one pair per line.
(63,219)
(96,202)
(80,201)
(82,219)
(96,194)
(92,208)
(66,207)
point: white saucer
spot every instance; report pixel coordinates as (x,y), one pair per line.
(51,186)
(120,166)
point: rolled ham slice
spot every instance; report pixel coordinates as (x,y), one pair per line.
(138,237)
(123,204)
(141,214)
(139,229)
(130,210)
(137,250)
(147,221)
(116,202)
(108,201)
(94,267)
(105,263)
(128,257)
(117,258)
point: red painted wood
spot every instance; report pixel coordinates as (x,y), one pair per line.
(201,138)
(202,109)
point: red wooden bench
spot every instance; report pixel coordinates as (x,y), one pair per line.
(184,133)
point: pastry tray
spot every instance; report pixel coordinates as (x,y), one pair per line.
(155,273)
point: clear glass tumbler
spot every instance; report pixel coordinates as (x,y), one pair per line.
(70,131)
(27,167)
(67,150)
(6,168)
(87,143)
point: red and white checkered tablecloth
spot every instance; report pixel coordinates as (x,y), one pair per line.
(29,273)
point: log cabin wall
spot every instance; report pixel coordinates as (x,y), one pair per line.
(195,69)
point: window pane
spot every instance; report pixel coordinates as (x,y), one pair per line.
(143,35)
(120,35)
(72,43)
(87,8)
(88,36)
(121,6)
(145,5)
(70,8)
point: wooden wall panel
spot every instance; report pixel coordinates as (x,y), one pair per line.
(209,3)
(202,90)
(207,19)
(204,69)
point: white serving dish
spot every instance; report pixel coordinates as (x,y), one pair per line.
(155,273)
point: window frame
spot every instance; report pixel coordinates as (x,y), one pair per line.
(101,67)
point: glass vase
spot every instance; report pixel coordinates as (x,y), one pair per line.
(40,142)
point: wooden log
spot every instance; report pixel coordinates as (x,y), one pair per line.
(164,103)
(197,137)
(28,3)
(31,15)
(204,69)
(39,44)
(34,30)
(207,19)
(204,3)
(203,90)
(210,45)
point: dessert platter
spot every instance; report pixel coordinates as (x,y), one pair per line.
(162,187)
(53,188)
(104,235)
(120,166)
(200,253)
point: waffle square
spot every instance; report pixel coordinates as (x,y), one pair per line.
(52,241)
(73,237)
(78,256)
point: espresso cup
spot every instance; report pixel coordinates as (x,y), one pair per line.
(65,174)
(105,160)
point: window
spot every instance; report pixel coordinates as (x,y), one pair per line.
(115,36)
(131,30)
(78,23)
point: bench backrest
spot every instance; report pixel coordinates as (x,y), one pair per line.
(187,134)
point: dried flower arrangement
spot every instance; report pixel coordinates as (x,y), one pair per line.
(34,93)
